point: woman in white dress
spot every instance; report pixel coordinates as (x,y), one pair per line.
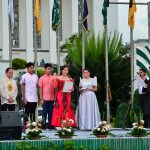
(87,114)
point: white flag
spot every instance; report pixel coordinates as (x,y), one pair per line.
(11,13)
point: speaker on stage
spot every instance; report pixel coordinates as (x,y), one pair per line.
(10,125)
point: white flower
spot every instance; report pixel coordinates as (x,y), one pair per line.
(65,128)
(34,124)
(100,123)
(28,125)
(98,129)
(33,130)
(134,124)
(140,128)
(58,128)
(63,133)
(27,131)
(135,127)
(64,121)
(104,122)
(142,121)
(103,130)
(69,130)
(71,121)
(144,128)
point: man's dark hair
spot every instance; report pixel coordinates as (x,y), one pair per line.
(7,69)
(47,65)
(143,70)
(29,64)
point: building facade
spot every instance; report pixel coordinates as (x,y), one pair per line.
(23,37)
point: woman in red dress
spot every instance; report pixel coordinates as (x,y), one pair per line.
(62,108)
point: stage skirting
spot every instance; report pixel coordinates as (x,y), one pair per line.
(115,143)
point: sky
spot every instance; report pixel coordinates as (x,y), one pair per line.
(141,21)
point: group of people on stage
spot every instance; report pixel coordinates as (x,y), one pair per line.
(144,92)
(56,103)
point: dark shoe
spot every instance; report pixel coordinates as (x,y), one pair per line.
(50,127)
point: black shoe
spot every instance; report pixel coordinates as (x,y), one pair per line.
(50,127)
(43,127)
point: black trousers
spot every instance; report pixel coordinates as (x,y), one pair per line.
(8,107)
(142,97)
(30,108)
(47,110)
(146,117)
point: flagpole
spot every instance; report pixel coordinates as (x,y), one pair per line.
(58,50)
(132,65)
(11,27)
(83,44)
(107,74)
(35,42)
(10,44)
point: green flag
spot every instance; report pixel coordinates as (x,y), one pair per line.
(56,15)
(104,12)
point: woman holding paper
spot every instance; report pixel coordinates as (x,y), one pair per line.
(62,107)
(87,114)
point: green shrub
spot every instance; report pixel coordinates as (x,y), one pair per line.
(136,107)
(104,147)
(122,116)
(18,63)
(40,72)
(68,145)
(29,146)
(19,96)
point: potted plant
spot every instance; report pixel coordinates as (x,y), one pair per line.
(102,130)
(138,129)
(33,130)
(65,131)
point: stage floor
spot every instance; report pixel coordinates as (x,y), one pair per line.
(83,134)
(120,141)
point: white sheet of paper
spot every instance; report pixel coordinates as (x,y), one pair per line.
(139,80)
(67,86)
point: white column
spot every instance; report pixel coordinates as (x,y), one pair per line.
(45,15)
(97,19)
(1,25)
(29,31)
(5,30)
(66,19)
(74,16)
(52,39)
(22,24)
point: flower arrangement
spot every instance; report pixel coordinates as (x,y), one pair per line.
(102,129)
(33,130)
(138,129)
(65,130)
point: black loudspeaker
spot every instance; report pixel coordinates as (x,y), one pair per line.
(10,125)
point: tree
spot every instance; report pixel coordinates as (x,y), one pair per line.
(119,66)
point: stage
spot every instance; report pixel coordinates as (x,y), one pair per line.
(84,141)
